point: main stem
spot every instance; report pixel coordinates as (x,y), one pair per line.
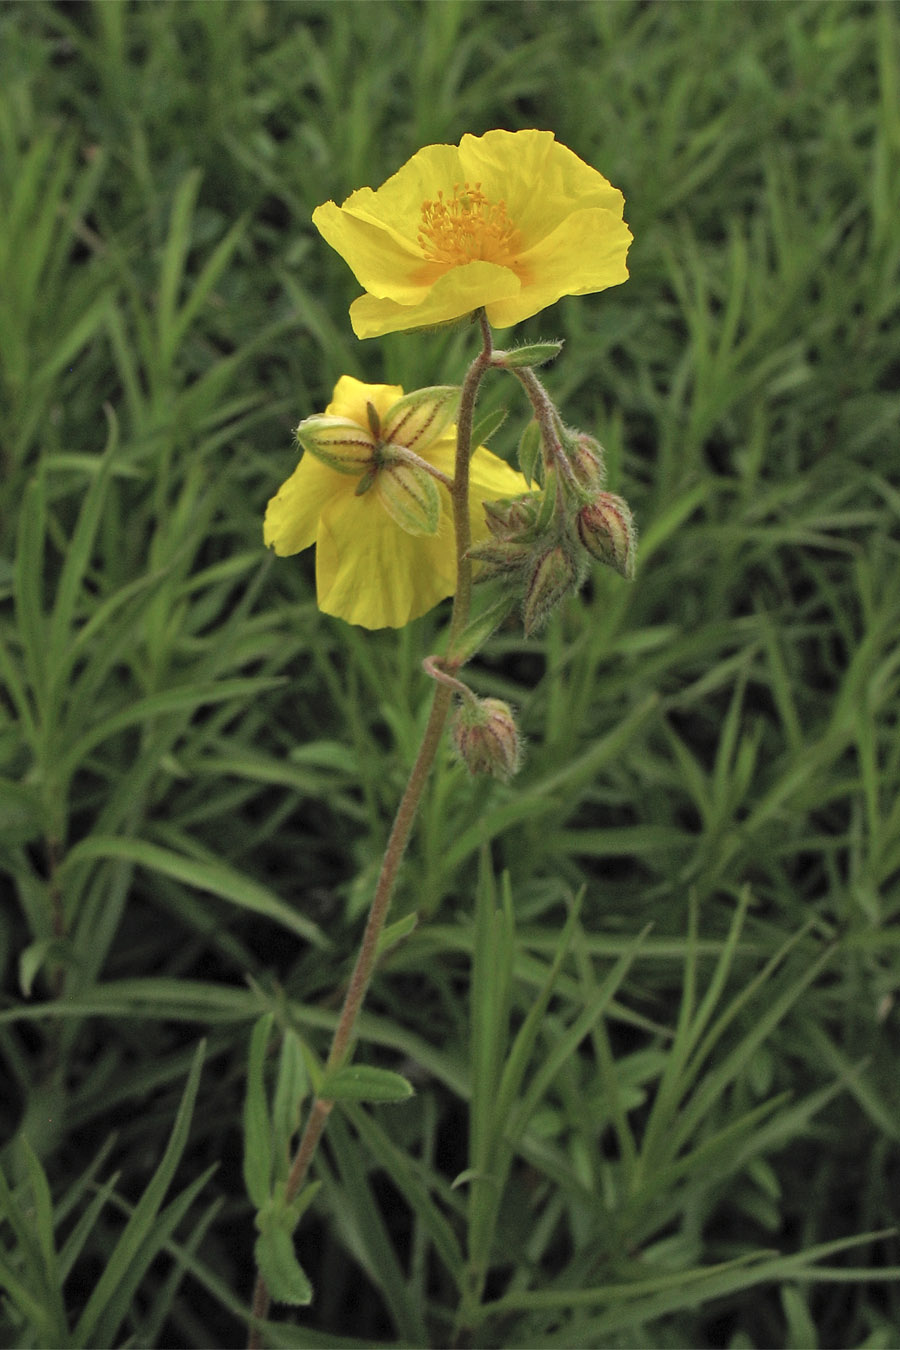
(406,811)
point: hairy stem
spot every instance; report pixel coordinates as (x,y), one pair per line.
(462,601)
(547,418)
(341,1044)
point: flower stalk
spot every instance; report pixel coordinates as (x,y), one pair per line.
(446,686)
(458,232)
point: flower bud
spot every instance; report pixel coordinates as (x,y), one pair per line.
(410,496)
(486,738)
(554,575)
(338,442)
(586,458)
(606,528)
(512,517)
(501,559)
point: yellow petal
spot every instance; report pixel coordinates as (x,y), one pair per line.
(292,515)
(490,477)
(457,293)
(585,253)
(371,573)
(541,181)
(380,263)
(551,226)
(397,205)
(350,397)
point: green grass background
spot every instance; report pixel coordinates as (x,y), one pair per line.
(198,770)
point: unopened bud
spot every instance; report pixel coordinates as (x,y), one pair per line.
(512,517)
(586,458)
(606,528)
(554,575)
(486,738)
(501,559)
(338,442)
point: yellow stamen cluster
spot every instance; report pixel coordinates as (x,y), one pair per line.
(467,227)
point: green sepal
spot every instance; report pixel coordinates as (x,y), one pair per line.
(417,419)
(554,576)
(547,507)
(339,442)
(364,1083)
(410,497)
(535,354)
(529,456)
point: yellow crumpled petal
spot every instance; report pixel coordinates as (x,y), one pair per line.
(567,235)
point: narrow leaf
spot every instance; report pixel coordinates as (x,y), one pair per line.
(364,1083)
(535,354)
(145,1212)
(279,1267)
(257,1125)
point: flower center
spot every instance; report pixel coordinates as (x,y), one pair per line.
(467,227)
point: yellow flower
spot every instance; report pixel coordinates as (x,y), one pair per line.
(370,570)
(510,221)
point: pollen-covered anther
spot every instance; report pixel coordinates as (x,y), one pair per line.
(467,227)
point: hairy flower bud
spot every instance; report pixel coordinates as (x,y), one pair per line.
(555,574)
(486,738)
(503,559)
(606,528)
(512,517)
(586,458)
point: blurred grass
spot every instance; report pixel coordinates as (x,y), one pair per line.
(187,746)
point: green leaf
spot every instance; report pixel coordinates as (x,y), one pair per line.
(78,555)
(530,453)
(29,572)
(363,1083)
(395,933)
(291,1086)
(486,426)
(154,1241)
(257,1125)
(534,354)
(145,1213)
(277,1262)
(214,877)
(497,604)
(173,264)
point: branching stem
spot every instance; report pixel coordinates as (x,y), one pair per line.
(341,1044)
